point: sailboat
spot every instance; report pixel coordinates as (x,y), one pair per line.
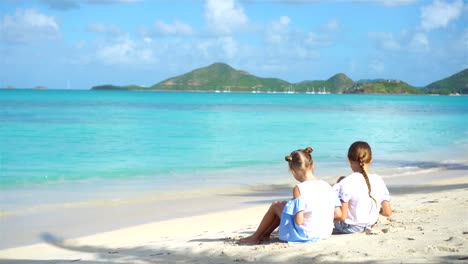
(309,92)
(323,91)
(290,90)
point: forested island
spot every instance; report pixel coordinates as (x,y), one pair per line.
(220,77)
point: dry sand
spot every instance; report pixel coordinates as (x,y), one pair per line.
(429,225)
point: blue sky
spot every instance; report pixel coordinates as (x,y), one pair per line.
(77,44)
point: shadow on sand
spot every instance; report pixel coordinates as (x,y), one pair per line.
(409,189)
(146,254)
(429,164)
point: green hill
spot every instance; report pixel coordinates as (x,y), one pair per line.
(336,84)
(457,83)
(384,87)
(220,77)
(109,87)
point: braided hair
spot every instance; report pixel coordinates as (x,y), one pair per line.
(361,152)
(300,160)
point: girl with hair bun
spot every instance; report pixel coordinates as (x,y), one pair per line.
(308,217)
(363,194)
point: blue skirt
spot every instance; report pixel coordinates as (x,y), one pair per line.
(289,231)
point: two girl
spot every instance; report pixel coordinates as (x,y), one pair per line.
(308,217)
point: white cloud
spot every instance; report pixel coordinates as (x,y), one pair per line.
(419,42)
(332,25)
(229,46)
(279,32)
(464,47)
(116,53)
(204,48)
(75,4)
(384,40)
(125,51)
(406,41)
(61,4)
(313,39)
(440,14)
(215,48)
(174,29)
(285,43)
(377,66)
(110,30)
(458,48)
(80,44)
(224,17)
(284,20)
(352,66)
(161,28)
(464,40)
(326,36)
(318,40)
(27,26)
(108,2)
(390,3)
(397,2)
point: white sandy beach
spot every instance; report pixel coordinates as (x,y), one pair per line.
(428,226)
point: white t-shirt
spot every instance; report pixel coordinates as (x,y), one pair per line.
(320,201)
(353,190)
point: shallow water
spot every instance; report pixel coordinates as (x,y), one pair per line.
(110,144)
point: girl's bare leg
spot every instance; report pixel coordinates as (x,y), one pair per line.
(269,223)
(275,224)
(271,228)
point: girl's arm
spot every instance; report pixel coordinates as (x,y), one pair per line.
(337,214)
(344,212)
(299,217)
(386,209)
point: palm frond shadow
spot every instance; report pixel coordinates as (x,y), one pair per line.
(148,254)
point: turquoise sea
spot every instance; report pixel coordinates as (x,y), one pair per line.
(85,143)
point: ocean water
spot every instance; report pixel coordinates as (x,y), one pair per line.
(85,143)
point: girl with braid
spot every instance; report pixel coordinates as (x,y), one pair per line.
(308,217)
(363,194)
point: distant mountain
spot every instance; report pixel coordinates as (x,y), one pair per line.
(336,84)
(384,87)
(363,81)
(457,83)
(221,77)
(110,87)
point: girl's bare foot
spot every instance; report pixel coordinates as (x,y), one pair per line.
(265,239)
(250,240)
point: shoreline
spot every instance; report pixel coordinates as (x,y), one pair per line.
(427,226)
(24,227)
(122,208)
